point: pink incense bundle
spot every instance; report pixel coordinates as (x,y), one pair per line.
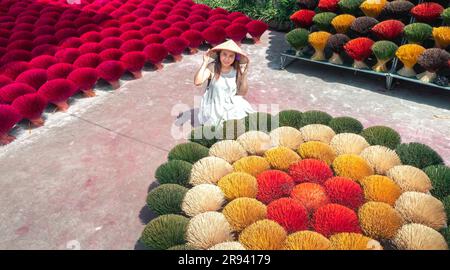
(85,79)
(34,77)
(175,46)
(88,60)
(68,55)
(4,80)
(134,62)
(111,54)
(91,36)
(58,91)
(111,71)
(59,71)
(155,54)
(111,32)
(10,92)
(72,42)
(214,35)
(183,26)
(133,45)
(256,29)
(237,32)
(200,26)
(14,69)
(171,32)
(31,106)
(131,34)
(154,38)
(10,117)
(111,42)
(194,38)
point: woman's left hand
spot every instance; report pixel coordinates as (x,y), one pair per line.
(244,73)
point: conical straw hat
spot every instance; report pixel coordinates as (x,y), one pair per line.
(230,45)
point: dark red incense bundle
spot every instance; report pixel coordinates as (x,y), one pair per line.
(328,5)
(389,29)
(427,12)
(359,49)
(303,18)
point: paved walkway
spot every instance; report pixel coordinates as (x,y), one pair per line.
(82,179)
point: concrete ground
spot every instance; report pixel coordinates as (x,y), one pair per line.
(81,180)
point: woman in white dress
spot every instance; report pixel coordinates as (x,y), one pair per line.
(227,85)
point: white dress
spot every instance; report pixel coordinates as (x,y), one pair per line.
(220,102)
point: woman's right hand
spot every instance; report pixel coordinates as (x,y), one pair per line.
(206,57)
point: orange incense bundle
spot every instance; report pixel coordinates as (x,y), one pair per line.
(408,55)
(318,41)
(441,36)
(373,8)
(342,22)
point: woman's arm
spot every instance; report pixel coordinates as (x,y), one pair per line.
(243,83)
(204,72)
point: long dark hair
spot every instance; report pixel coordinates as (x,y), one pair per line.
(235,65)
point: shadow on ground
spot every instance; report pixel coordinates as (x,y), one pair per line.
(401,89)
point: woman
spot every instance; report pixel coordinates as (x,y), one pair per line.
(227,85)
